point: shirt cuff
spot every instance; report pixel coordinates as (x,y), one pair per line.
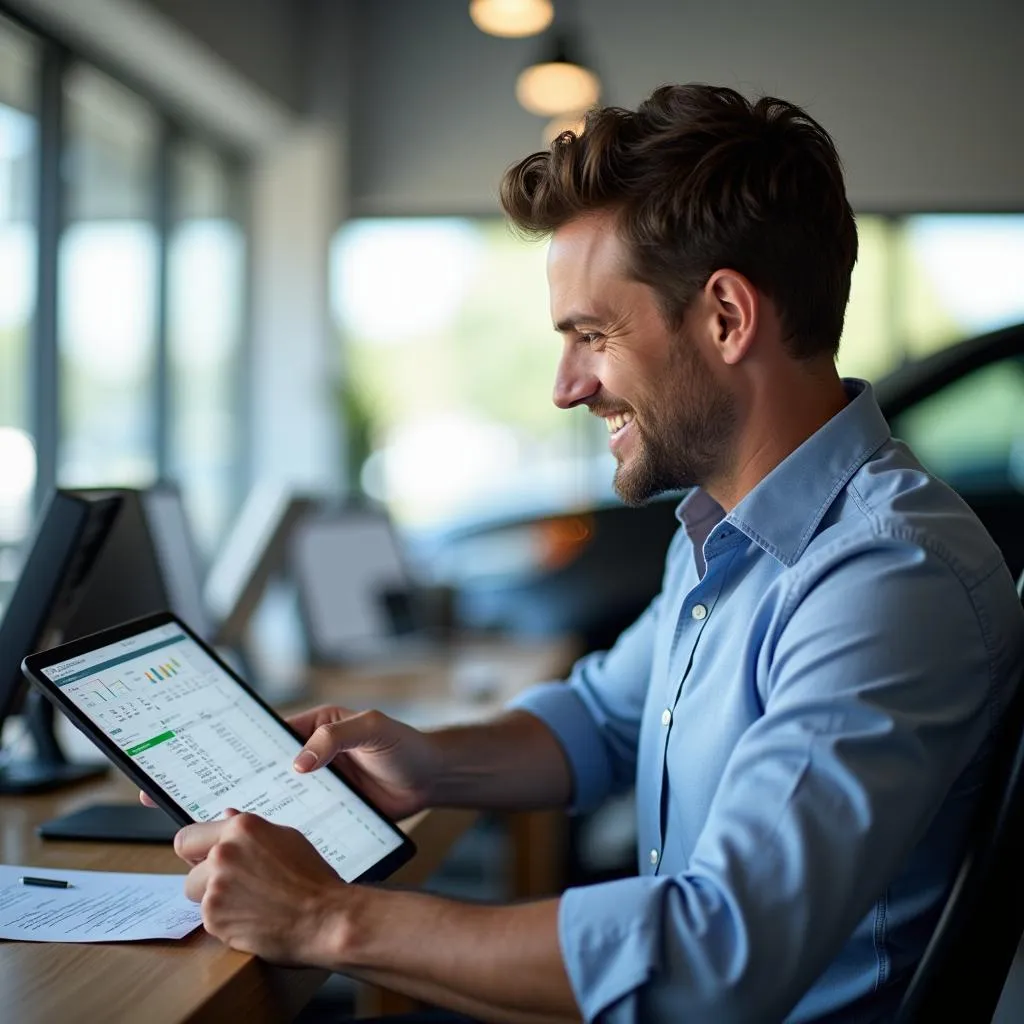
(562,711)
(609,935)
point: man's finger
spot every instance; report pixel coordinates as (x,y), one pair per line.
(146,799)
(194,842)
(305,723)
(332,738)
(195,882)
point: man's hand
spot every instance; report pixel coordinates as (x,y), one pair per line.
(263,888)
(393,764)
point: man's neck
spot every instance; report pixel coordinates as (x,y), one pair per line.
(774,429)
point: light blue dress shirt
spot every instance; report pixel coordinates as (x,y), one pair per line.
(804,711)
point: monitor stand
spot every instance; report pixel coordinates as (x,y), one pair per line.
(49,769)
(112,823)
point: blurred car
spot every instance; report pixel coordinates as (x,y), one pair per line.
(962,412)
(592,571)
(588,572)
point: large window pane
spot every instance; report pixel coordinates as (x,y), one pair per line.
(924,282)
(450,358)
(18,148)
(108,264)
(205,303)
(960,274)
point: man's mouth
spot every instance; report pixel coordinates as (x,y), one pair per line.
(617,422)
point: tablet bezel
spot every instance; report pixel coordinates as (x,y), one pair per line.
(34,665)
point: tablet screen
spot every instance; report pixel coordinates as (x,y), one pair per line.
(209,745)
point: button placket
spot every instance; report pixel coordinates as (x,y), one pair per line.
(711,586)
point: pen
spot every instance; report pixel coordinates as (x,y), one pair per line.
(49,883)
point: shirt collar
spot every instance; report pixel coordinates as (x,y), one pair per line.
(782,512)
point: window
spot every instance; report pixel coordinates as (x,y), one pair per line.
(205,290)
(18,150)
(122,286)
(450,357)
(923,282)
(960,274)
(107,282)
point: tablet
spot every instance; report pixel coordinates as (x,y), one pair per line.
(171,715)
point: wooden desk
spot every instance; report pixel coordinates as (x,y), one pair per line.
(198,979)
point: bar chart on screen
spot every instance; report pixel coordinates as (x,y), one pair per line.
(170,668)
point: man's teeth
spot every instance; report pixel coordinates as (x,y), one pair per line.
(616,423)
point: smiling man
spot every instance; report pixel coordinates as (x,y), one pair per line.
(804,710)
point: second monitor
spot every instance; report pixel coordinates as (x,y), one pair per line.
(356,594)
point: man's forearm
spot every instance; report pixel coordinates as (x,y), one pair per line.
(511,763)
(499,964)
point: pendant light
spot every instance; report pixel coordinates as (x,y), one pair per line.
(511,19)
(558,83)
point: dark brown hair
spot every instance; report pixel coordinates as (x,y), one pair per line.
(702,179)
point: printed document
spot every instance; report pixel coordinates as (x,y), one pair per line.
(99,906)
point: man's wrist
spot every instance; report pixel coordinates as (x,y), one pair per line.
(440,791)
(343,926)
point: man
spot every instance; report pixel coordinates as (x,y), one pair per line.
(804,709)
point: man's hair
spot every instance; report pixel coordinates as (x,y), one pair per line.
(702,179)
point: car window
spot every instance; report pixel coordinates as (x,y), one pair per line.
(971,432)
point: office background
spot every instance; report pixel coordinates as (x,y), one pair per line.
(260,240)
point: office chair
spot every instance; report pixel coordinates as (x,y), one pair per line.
(965,965)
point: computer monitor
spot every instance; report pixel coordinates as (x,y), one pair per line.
(98,558)
(69,535)
(150,564)
(251,556)
(355,592)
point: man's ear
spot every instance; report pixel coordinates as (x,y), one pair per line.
(733,304)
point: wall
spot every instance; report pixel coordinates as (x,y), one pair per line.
(261,39)
(923,97)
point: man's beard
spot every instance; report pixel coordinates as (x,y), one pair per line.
(683,434)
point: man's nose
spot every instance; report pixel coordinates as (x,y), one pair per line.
(575,379)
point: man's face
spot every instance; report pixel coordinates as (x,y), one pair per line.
(670,419)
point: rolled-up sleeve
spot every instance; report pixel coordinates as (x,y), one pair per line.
(596,715)
(877,687)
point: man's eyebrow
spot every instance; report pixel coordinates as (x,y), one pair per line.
(573,320)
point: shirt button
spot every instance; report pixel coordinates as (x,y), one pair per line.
(699,612)
(666,717)
(654,856)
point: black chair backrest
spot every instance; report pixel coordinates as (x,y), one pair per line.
(965,965)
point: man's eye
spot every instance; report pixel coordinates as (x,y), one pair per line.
(589,338)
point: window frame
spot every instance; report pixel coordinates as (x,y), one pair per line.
(57,55)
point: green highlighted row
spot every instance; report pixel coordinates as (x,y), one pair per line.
(152,742)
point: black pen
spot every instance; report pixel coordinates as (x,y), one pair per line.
(49,883)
